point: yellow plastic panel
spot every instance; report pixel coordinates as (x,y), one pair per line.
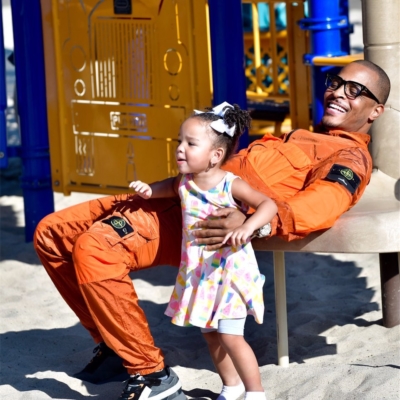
(151,159)
(119,85)
(115,144)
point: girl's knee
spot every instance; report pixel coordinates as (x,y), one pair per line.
(212,338)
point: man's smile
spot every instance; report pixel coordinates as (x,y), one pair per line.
(335,107)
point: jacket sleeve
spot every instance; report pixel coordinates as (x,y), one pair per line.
(324,197)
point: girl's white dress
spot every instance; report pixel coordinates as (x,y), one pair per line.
(213,285)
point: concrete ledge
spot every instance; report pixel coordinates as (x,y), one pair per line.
(371,226)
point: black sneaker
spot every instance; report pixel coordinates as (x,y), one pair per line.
(105,366)
(141,387)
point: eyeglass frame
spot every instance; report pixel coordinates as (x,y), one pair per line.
(344,83)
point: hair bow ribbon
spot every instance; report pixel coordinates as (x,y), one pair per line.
(219,125)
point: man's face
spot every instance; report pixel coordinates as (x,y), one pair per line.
(352,115)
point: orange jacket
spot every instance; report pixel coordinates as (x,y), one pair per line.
(313,177)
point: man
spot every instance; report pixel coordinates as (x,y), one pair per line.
(88,250)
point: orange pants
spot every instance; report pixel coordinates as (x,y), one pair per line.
(89,264)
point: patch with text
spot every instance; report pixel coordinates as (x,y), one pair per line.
(120,225)
(345,176)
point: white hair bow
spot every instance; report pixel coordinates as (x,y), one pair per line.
(219,125)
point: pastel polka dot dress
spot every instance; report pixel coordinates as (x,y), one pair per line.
(213,285)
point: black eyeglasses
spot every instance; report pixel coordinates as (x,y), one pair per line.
(351,89)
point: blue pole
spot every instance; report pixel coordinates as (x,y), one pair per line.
(227,52)
(325,24)
(31,94)
(3,100)
(345,32)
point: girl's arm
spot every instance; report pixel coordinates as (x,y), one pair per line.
(265,208)
(165,188)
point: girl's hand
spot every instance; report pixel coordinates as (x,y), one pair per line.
(142,189)
(238,236)
(212,232)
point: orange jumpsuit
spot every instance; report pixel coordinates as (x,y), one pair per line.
(89,249)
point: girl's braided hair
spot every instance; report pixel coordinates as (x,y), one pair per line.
(233,116)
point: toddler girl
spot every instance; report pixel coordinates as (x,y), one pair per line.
(216,290)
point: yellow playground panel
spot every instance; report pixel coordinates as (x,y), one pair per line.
(119,84)
(122,76)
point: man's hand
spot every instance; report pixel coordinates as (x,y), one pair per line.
(213,232)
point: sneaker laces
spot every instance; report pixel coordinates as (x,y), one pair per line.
(135,385)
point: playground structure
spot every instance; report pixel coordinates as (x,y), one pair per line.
(170,95)
(121,91)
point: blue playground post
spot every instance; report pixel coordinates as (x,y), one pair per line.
(227,52)
(3,100)
(325,25)
(345,32)
(31,94)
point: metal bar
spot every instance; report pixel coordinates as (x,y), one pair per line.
(209,49)
(31,93)
(273,49)
(256,47)
(281,308)
(337,61)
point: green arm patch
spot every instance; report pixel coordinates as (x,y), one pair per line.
(345,176)
(119,225)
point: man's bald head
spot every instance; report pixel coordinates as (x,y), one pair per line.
(381,87)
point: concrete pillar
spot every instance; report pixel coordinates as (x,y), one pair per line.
(381,35)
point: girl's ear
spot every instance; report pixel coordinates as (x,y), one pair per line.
(217,155)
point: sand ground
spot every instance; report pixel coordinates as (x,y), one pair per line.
(338,346)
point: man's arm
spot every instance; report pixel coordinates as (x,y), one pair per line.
(317,207)
(334,186)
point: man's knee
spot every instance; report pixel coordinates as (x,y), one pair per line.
(42,237)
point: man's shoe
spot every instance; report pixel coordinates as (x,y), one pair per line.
(105,366)
(141,387)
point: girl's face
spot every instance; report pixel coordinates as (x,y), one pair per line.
(196,148)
